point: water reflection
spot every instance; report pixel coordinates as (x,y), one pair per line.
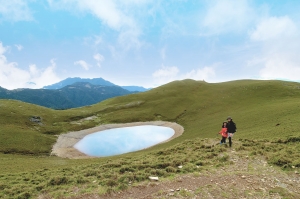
(123,140)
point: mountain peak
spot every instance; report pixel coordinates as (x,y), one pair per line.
(95,82)
(72,80)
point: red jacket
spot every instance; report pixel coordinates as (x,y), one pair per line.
(223,132)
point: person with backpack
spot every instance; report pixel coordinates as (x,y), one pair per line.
(223,132)
(231,129)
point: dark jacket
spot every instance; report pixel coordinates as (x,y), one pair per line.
(231,127)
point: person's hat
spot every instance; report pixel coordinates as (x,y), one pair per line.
(229,118)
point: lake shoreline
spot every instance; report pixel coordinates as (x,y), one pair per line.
(64,146)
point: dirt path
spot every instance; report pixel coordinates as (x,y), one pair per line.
(246,177)
(65,142)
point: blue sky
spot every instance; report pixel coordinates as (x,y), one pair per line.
(148,43)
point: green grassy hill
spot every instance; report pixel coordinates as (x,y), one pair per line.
(261,109)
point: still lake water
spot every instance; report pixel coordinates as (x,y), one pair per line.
(123,140)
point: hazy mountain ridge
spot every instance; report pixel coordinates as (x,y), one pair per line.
(72,80)
(71,96)
(94,81)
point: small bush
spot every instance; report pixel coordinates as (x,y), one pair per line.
(185,193)
(80,180)
(110,191)
(281,191)
(111,183)
(177,162)
(3,186)
(39,187)
(224,158)
(124,169)
(140,177)
(240,148)
(161,172)
(58,180)
(280,161)
(122,187)
(199,163)
(162,165)
(25,195)
(170,169)
(90,173)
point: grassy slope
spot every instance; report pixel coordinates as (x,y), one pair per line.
(256,106)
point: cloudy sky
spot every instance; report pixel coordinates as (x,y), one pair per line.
(148,42)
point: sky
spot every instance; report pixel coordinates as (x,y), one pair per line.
(148,42)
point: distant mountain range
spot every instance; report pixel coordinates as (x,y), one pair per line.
(72,80)
(70,93)
(71,96)
(95,81)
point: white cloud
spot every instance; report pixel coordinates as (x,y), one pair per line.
(83,64)
(106,11)
(162,53)
(97,40)
(43,77)
(99,58)
(130,38)
(165,75)
(165,71)
(200,74)
(2,50)
(19,47)
(115,14)
(33,70)
(94,40)
(280,68)
(278,38)
(15,10)
(168,74)
(12,77)
(274,28)
(226,16)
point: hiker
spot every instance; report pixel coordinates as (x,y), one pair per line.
(223,132)
(231,129)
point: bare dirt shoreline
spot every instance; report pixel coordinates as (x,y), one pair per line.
(65,142)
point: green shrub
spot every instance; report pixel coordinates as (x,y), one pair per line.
(139,177)
(280,161)
(162,165)
(188,168)
(90,173)
(81,180)
(185,193)
(25,195)
(111,183)
(282,192)
(122,187)
(171,169)
(124,169)
(224,158)
(58,180)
